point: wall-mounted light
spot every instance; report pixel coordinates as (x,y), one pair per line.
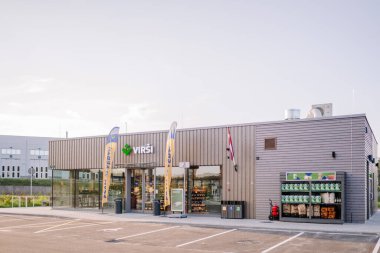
(333,154)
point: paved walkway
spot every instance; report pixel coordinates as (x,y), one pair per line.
(371,226)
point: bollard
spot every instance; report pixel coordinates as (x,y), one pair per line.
(12,201)
(33,200)
(19,201)
(26,201)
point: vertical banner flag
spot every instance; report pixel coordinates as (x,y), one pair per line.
(169,162)
(230,148)
(109,154)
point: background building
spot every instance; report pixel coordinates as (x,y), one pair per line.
(18,154)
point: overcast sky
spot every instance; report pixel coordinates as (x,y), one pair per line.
(86,66)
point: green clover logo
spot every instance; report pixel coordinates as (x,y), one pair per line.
(127,150)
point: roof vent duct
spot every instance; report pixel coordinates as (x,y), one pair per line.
(320,110)
(292,114)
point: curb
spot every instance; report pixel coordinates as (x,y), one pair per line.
(240,227)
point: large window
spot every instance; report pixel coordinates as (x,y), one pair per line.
(177,181)
(10,151)
(87,189)
(39,152)
(205,188)
(63,188)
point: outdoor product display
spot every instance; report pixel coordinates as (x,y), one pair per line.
(313,200)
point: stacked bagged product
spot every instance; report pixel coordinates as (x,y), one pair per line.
(294,210)
(325,186)
(317,211)
(295,187)
(286,210)
(302,210)
(328,212)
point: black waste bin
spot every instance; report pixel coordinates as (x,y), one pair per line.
(230,209)
(156,208)
(239,210)
(118,206)
(224,209)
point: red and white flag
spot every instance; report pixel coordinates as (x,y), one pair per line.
(231,149)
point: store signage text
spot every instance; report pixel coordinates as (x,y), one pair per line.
(318,176)
(144,149)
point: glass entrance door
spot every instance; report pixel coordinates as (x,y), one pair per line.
(149,189)
(136,189)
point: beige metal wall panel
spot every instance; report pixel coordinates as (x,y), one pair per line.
(201,147)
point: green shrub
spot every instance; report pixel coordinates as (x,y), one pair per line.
(24,182)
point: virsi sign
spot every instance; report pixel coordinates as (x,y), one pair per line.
(145,149)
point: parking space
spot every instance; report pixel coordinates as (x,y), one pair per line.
(322,242)
(241,241)
(50,234)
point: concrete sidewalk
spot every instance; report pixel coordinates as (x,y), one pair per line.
(372,226)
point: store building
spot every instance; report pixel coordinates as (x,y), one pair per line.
(21,154)
(342,145)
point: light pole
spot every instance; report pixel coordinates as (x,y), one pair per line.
(31,171)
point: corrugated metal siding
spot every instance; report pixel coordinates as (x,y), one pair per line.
(304,145)
(371,149)
(308,146)
(201,147)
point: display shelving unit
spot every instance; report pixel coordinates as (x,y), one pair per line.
(318,207)
(198,201)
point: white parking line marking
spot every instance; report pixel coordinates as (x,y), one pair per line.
(377,247)
(31,225)
(109,229)
(56,226)
(281,243)
(150,232)
(205,238)
(82,226)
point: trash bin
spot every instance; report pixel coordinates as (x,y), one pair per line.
(156,208)
(239,210)
(230,209)
(224,209)
(118,206)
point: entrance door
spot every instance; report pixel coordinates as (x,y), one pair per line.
(148,189)
(136,189)
(371,193)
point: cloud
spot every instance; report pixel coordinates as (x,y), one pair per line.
(137,112)
(73,114)
(34,88)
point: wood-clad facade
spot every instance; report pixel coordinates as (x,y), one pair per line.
(302,145)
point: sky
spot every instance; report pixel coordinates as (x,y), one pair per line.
(86,66)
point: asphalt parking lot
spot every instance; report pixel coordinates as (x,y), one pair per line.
(22,233)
